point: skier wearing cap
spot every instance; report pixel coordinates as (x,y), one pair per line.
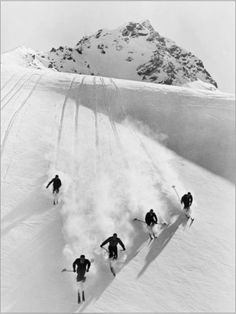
(151,220)
(112,248)
(81,266)
(56,184)
(187,200)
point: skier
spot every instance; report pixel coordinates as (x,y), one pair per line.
(81,266)
(187,200)
(112,248)
(56,187)
(151,220)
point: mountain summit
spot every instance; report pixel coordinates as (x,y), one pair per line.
(134,51)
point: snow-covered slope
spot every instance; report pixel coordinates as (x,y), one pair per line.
(118,146)
(134,51)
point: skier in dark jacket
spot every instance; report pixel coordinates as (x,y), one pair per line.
(112,248)
(151,218)
(56,184)
(81,266)
(187,200)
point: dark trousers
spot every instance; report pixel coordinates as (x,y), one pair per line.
(112,252)
(55,190)
(80,276)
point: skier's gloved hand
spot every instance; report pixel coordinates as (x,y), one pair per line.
(101,246)
(74,270)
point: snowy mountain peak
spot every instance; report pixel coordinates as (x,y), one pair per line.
(138,29)
(134,51)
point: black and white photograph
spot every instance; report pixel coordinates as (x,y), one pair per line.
(117,156)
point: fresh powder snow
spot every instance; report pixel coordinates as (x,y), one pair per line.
(118,146)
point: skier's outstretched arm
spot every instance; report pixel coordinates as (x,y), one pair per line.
(155,218)
(74,265)
(105,242)
(190,200)
(121,244)
(88,265)
(49,183)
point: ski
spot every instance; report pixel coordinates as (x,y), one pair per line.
(112,270)
(110,266)
(192,220)
(81,296)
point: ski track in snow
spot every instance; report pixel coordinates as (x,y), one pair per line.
(15,115)
(18,90)
(113,124)
(111,172)
(61,119)
(14,86)
(137,136)
(96,120)
(7,81)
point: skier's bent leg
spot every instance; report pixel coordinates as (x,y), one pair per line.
(150,231)
(55,194)
(115,254)
(110,252)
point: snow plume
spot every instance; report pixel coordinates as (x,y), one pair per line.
(159,157)
(108,193)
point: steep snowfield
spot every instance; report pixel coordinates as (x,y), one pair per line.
(118,146)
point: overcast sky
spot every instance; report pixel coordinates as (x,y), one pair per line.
(206,28)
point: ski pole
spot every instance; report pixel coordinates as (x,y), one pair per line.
(173,186)
(158,223)
(64,269)
(137,219)
(104,248)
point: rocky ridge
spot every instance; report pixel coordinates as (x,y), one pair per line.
(134,51)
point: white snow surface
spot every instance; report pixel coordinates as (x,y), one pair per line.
(118,146)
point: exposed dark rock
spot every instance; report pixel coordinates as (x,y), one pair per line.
(98,33)
(167,64)
(129,59)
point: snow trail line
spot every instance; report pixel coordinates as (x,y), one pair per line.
(8,81)
(106,111)
(61,121)
(135,134)
(113,126)
(96,119)
(17,113)
(13,87)
(76,123)
(18,90)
